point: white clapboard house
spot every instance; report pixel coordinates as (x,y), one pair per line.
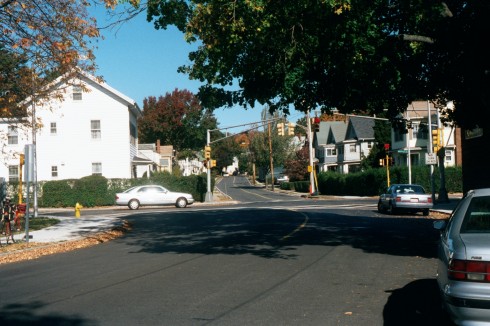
(92,131)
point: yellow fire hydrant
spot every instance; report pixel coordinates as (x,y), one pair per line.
(78,209)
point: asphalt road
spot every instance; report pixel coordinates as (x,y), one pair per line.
(275,260)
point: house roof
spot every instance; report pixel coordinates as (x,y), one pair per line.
(360,128)
(322,136)
(132,105)
(148,147)
(141,160)
(337,133)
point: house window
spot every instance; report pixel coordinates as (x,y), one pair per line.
(331,152)
(54,171)
(95,129)
(53,129)
(97,168)
(420,131)
(13,135)
(370,144)
(13,173)
(77,93)
(449,155)
(352,148)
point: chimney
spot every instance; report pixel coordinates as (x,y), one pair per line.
(158,146)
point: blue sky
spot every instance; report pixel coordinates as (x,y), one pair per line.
(140,61)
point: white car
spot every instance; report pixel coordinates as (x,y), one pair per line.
(282,178)
(463,269)
(150,195)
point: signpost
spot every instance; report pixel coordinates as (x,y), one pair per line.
(430,158)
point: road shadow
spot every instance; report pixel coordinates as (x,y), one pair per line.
(27,314)
(276,233)
(417,303)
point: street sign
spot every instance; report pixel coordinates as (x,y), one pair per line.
(430,158)
(402,151)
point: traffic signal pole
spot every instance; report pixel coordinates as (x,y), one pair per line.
(310,150)
(430,150)
(209,193)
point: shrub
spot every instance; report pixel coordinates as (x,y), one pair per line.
(56,194)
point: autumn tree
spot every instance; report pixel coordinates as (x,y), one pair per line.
(52,38)
(177,119)
(296,168)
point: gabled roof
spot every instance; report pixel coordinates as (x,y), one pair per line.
(360,128)
(132,105)
(322,136)
(82,75)
(337,133)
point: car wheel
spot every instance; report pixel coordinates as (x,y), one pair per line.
(181,202)
(425,212)
(134,204)
(380,207)
(391,209)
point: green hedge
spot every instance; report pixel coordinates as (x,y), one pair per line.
(92,191)
(374,181)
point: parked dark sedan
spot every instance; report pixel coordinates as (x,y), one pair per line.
(463,271)
(405,197)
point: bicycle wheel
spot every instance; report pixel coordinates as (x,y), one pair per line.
(9,235)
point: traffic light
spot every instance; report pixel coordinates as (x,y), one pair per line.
(21,159)
(280,128)
(436,139)
(315,124)
(381,162)
(207,152)
(213,163)
(290,129)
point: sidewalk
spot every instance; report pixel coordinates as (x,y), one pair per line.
(72,228)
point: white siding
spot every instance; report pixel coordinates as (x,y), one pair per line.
(72,149)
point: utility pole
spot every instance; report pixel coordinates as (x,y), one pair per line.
(271,159)
(310,150)
(430,150)
(209,193)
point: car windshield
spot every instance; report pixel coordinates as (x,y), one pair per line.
(477,217)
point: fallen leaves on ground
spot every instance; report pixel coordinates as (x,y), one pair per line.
(21,251)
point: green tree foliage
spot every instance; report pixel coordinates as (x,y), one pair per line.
(350,55)
(224,151)
(259,148)
(382,136)
(176,118)
(13,71)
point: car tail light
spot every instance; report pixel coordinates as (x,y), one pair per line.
(398,199)
(469,270)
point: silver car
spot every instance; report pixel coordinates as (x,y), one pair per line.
(151,195)
(405,197)
(463,271)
